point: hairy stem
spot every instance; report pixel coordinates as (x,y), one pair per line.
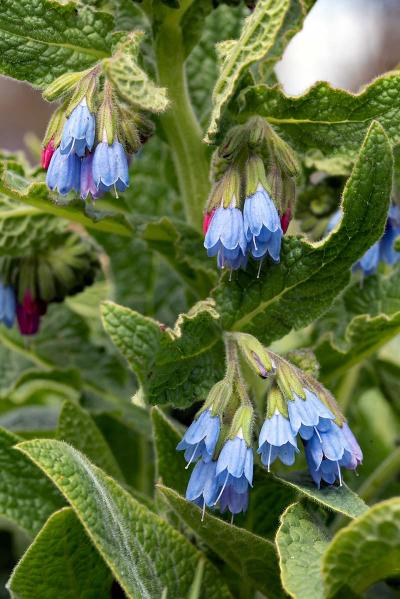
(179,123)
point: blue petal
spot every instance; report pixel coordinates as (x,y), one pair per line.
(214,232)
(277,431)
(287,454)
(232,457)
(269,453)
(350,443)
(333,443)
(259,211)
(64,172)
(201,479)
(334,220)
(234,502)
(314,452)
(370,260)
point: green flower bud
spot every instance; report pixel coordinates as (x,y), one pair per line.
(255,175)
(226,191)
(218,398)
(62,85)
(276,401)
(55,126)
(242,423)
(288,380)
(255,354)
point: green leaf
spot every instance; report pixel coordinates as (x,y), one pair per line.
(26,496)
(169,462)
(258,36)
(37,194)
(176,366)
(23,227)
(327,125)
(46,386)
(310,275)
(366,551)
(301,543)
(361,321)
(253,557)
(130,81)
(61,562)
(339,499)
(145,554)
(75,426)
(40,40)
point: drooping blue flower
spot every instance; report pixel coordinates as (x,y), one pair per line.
(8,305)
(262,226)
(225,238)
(329,449)
(201,437)
(79,130)
(233,501)
(87,182)
(305,413)
(234,471)
(64,172)
(110,167)
(277,439)
(203,485)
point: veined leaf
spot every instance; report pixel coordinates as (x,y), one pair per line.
(251,556)
(26,496)
(325,124)
(310,275)
(170,463)
(258,36)
(301,543)
(177,365)
(40,40)
(366,551)
(61,548)
(145,554)
(366,317)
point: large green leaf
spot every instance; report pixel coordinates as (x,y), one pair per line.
(259,33)
(75,426)
(365,317)
(310,275)
(301,542)
(340,499)
(26,496)
(327,125)
(40,40)
(145,554)
(366,551)
(62,563)
(253,557)
(177,365)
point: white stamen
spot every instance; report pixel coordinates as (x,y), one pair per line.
(116,192)
(230,276)
(340,475)
(203,510)
(269,457)
(222,490)
(254,241)
(259,269)
(232,519)
(318,435)
(192,456)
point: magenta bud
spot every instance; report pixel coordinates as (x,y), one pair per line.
(47,154)
(285,220)
(207,219)
(29,313)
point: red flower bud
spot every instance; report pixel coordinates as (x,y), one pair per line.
(285,220)
(207,219)
(47,154)
(29,313)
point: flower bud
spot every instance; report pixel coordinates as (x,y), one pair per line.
(47,154)
(288,380)
(255,354)
(62,85)
(242,424)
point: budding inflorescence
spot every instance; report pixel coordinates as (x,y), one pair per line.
(251,203)
(298,408)
(89,137)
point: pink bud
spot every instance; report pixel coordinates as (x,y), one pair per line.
(47,154)
(207,219)
(28,314)
(285,220)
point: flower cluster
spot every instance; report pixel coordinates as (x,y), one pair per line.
(383,251)
(81,165)
(243,213)
(298,408)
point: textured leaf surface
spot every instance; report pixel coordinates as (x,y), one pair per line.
(145,554)
(251,556)
(310,275)
(170,463)
(328,125)
(340,499)
(62,563)
(258,35)
(301,543)
(131,82)
(76,427)
(177,365)
(365,318)
(366,551)
(40,40)
(26,496)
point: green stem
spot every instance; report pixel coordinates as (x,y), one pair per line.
(347,387)
(387,470)
(179,122)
